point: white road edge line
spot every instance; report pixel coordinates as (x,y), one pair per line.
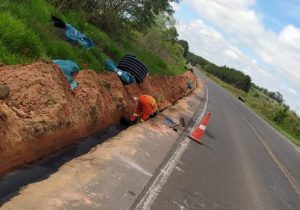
(154,190)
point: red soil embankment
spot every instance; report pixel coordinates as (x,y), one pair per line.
(42,115)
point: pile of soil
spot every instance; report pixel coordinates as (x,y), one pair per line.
(42,115)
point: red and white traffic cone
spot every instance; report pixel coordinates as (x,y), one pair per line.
(199,131)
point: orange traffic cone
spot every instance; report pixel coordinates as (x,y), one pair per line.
(199,131)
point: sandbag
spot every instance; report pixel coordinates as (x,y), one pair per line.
(68,67)
(74,36)
(125,76)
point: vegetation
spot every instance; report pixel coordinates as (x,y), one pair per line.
(270,105)
(117,28)
(235,78)
(277,114)
(144,28)
(277,96)
(185,46)
(115,14)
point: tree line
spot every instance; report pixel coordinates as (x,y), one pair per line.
(229,75)
(279,113)
(277,96)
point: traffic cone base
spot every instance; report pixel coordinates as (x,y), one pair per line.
(198,133)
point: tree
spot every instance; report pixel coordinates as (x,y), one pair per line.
(139,14)
(246,84)
(229,75)
(143,13)
(185,46)
(167,23)
(278,97)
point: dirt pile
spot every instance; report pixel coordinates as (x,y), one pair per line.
(42,115)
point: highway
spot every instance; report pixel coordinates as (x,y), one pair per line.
(243,164)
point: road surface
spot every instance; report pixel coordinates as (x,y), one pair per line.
(245,164)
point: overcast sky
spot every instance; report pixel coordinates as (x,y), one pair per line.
(260,38)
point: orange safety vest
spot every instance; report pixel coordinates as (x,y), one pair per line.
(146,106)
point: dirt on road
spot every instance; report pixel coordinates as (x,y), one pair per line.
(42,115)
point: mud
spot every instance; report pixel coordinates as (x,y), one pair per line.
(42,115)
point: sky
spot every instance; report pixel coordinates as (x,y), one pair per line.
(258,37)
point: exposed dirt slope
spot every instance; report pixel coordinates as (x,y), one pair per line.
(42,115)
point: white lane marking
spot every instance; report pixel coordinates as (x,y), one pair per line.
(134,165)
(292,181)
(281,166)
(263,120)
(150,196)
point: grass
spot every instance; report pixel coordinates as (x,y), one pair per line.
(26,35)
(266,108)
(17,42)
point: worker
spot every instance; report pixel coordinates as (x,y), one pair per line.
(146,107)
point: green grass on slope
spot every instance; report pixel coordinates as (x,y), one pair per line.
(26,35)
(266,108)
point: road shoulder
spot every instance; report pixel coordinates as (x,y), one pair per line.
(112,174)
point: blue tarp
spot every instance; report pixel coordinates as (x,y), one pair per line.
(74,36)
(126,77)
(190,85)
(68,67)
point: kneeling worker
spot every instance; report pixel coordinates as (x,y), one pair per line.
(145,108)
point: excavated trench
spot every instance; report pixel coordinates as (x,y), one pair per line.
(11,183)
(41,115)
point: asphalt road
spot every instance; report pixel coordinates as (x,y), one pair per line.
(245,164)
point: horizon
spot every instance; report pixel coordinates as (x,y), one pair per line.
(247,35)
